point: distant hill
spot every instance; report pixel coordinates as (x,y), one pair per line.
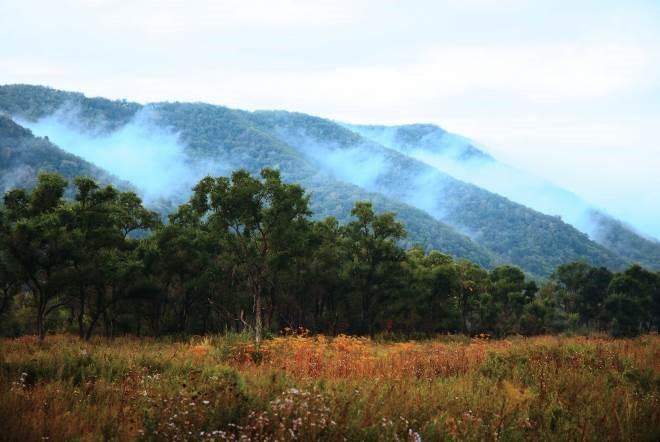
(622,239)
(409,138)
(340,164)
(460,157)
(247,146)
(524,237)
(23,156)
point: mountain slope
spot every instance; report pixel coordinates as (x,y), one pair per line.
(225,137)
(339,166)
(459,157)
(532,240)
(231,138)
(622,239)
(23,156)
(410,138)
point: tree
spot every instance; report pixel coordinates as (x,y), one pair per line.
(585,288)
(103,262)
(375,260)
(472,283)
(184,258)
(629,303)
(38,243)
(426,302)
(9,284)
(264,218)
(510,293)
(93,232)
(327,279)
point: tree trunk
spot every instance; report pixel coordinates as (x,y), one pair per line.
(41,317)
(41,324)
(258,320)
(5,300)
(81,315)
(41,329)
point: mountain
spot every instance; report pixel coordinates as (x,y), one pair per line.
(622,239)
(234,143)
(338,164)
(23,156)
(412,138)
(524,237)
(459,157)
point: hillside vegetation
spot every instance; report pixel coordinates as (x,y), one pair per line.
(339,167)
(244,254)
(23,156)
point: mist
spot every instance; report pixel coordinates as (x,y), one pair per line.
(515,185)
(458,157)
(372,167)
(150,157)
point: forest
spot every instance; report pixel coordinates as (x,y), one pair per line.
(333,162)
(245,254)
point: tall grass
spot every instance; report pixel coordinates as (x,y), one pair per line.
(317,388)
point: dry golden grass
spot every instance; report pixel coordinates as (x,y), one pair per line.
(318,388)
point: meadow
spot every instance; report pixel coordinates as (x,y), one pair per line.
(333,389)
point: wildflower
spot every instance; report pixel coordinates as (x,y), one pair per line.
(414,436)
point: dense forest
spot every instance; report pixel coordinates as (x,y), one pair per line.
(245,254)
(437,210)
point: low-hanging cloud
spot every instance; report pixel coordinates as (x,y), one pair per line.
(450,153)
(149,156)
(372,167)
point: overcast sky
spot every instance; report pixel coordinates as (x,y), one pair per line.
(569,90)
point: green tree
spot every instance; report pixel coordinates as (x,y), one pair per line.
(38,243)
(585,289)
(426,302)
(185,258)
(375,261)
(264,217)
(9,284)
(629,304)
(472,283)
(510,293)
(104,263)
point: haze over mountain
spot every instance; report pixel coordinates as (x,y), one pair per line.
(562,90)
(461,158)
(447,191)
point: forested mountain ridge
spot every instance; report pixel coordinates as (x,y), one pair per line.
(622,239)
(23,156)
(460,157)
(226,144)
(524,237)
(314,151)
(411,137)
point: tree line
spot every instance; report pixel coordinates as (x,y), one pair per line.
(245,254)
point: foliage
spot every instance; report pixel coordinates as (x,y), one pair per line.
(471,223)
(245,255)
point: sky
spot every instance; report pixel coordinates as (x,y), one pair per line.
(567,90)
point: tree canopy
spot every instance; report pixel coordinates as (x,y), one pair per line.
(245,254)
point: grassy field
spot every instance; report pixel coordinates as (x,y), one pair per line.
(297,388)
